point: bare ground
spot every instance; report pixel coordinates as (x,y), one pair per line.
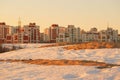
(46,62)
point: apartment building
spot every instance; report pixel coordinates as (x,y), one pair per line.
(91,35)
(109,35)
(42,37)
(62,35)
(46,35)
(33,31)
(118,37)
(53,32)
(4,30)
(73,33)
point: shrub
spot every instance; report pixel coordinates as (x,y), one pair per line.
(93,45)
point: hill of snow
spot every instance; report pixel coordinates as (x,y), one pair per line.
(22,71)
(19,71)
(101,55)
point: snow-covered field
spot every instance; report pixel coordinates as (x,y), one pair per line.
(22,71)
(19,71)
(101,55)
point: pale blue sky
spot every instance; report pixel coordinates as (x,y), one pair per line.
(82,13)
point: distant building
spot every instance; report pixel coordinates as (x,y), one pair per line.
(109,35)
(61,36)
(89,36)
(33,32)
(112,34)
(47,35)
(9,38)
(73,33)
(103,36)
(15,38)
(118,37)
(4,30)
(54,31)
(27,34)
(41,37)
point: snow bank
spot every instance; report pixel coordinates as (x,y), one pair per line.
(22,71)
(102,55)
(19,71)
(25,45)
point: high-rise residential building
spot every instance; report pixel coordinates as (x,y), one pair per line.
(103,36)
(42,37)
(54,31)
(78,36)
(13,29)
(61,36)
(23,37)
(4,30)
(20,32)
(47,35)
(73,33)
(118,37)
(109,35)
(9,38)
(33,31)
(88,37)
(112,34)
(91,35)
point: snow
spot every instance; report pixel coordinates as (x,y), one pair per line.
(25,71)
(101,55)
(20,71)
(32,45)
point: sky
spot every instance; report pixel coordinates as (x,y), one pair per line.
(81,13)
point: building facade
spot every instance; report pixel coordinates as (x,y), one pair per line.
(4,30)
(33,31)
(46,35)
(61,36)
(73,34)
(109,35)
(53,32)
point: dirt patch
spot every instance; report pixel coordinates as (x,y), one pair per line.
(47,62)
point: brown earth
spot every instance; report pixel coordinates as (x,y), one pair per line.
(48,62)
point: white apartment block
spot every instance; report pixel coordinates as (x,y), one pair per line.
(87,37)
(73,34)
(46,35)
(109,35)
(61,36)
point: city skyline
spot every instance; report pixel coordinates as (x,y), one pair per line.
(81,13)
(55,33)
